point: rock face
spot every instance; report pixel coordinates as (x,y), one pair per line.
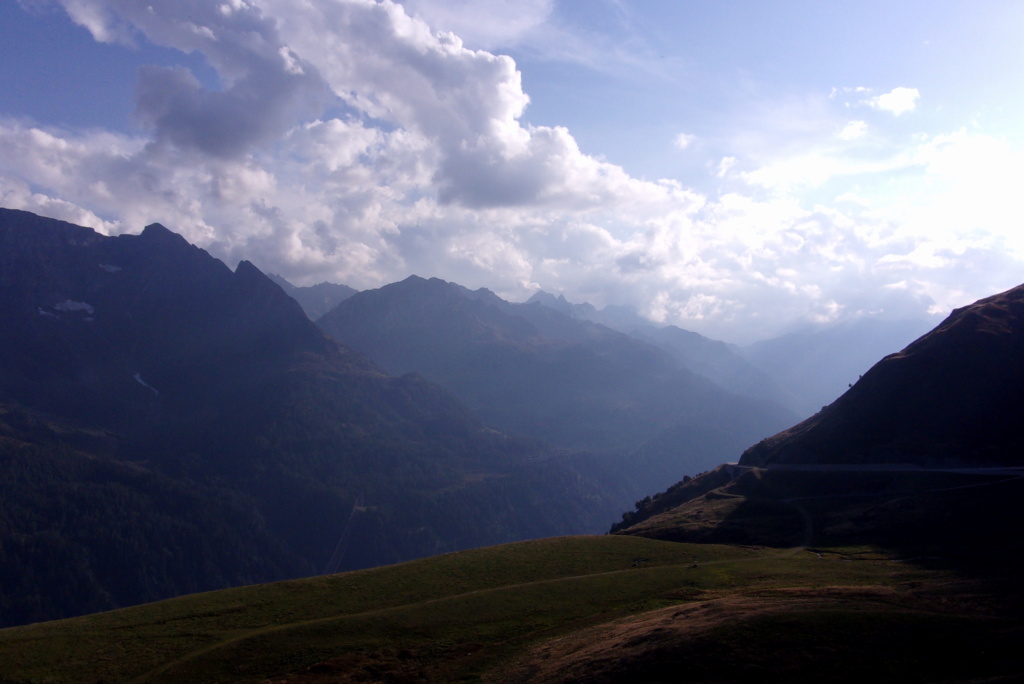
(951,398)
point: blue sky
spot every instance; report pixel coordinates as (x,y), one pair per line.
(735,168)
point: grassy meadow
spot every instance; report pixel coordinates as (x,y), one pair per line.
(457,617)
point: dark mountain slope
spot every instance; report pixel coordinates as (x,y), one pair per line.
(150,371)
(82,530)
(535,371)
(953,397)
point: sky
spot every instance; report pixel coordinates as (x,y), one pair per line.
(738,168)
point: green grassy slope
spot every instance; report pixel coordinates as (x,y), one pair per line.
(446,618)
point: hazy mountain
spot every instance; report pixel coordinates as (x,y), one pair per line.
(533,370)
(315,300)
(715,360)
(818,364)
(721,363)
(622,318)
(952,397)
(168,425)
(802,370)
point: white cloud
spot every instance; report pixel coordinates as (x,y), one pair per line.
(897,101)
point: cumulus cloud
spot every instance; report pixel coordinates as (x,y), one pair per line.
(266,86)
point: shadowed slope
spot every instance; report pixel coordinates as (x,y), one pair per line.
(953,397)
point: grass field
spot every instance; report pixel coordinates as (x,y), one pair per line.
(458,617)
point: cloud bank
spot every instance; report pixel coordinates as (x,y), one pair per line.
(351,141)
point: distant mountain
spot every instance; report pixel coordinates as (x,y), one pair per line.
(168,425)
(953,397)
(622,318)
(583,312)
(717,361)
(721,363)
(817,364)
(315,300)
(802,370)
(532,370)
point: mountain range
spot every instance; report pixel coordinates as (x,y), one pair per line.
(531,370)
(802,369)
(875,541)
(168,425)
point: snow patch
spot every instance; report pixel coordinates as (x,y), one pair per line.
(110,268)
(69,305)
(138,379)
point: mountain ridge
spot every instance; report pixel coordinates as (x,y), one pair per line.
(142,370)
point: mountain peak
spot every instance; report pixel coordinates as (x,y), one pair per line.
(157,231)
(246,269)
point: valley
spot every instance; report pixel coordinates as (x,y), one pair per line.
(494,342)
(183,450)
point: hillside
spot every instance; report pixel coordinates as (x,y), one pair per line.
(168,425)
(950,398)
(919,461)
(594,609)
(815,364)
